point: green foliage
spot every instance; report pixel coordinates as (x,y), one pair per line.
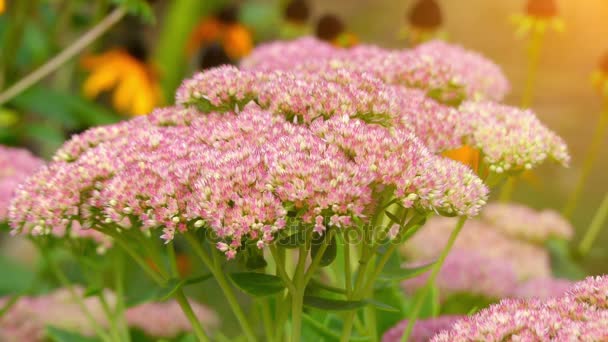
(60,335)
(258,284)
(464,303)
(16,279)
(140,8)
(329,255)
(401,273)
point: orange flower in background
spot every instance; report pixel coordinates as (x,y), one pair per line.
(136,89)
(331,29)
(222,29)
(2,6)
(466,154)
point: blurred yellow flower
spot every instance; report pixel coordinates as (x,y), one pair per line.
(539,16)
(136,90)
(2,6)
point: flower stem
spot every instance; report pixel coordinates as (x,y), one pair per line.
(187,309)
(267,319)
(297,301)
(534,50)
(63,56)
(119,288)
(431,280)
(506,192)
(220,277)
(63,279)
(592,154)
(594,228)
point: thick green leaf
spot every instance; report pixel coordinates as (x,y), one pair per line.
(333,304)
(315,286)
(258,284)
(329,255)
(59,335)
(405,273)
(381,306)
(393,217)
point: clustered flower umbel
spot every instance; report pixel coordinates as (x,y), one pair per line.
(433,65)
(15,166)
(509,138)
(581,314)
(237,173)
(515,262)
(28,318)
(244,147)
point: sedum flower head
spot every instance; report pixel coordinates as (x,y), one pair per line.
(578,315)
(432,66)
(15,166)
(510,139)
(237,173)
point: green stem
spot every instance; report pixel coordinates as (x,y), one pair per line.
(63,279)
(267,319)
(119,288)
(431,280)
(220,277)
(506,192)
(347,269)
(12,38)
(114,330)
(63,56)
(297,306)
(534,50)
(590,158)
(187,309)
(594,228)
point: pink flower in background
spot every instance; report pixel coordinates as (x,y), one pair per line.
(28,318)
(524,223)
(578,315)
(527,260)
(545,287)
(469,272)
(15,166)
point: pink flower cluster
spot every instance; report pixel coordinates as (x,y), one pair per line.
(27,319)
(434,65)
(515,265)
(509,138)
(581,314)
(235,173)
(15,166)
